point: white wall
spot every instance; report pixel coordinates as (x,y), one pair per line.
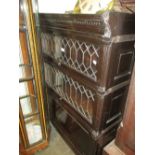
(56,6)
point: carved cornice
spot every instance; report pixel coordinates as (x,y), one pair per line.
(94,22)
(106,25)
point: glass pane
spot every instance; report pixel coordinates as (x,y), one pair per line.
(25,71)
(24,56)
(21,17)
(26,88)
(77,95)
(33,128)
(28,105)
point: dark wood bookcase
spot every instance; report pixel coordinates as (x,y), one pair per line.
(87,63)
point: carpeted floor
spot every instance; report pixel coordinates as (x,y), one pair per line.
(57,146)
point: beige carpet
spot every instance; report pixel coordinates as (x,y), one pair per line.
(57,146)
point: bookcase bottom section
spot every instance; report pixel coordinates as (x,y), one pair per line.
(76,136)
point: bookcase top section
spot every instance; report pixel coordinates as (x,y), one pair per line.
(108,24)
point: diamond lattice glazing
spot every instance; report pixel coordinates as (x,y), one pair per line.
(79,97)
(79,55)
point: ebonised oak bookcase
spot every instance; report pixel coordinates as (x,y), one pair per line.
(87,62)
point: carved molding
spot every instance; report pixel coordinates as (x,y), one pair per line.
(89,22)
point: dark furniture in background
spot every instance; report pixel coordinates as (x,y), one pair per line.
(127,2)
(125,138)
(88,61)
